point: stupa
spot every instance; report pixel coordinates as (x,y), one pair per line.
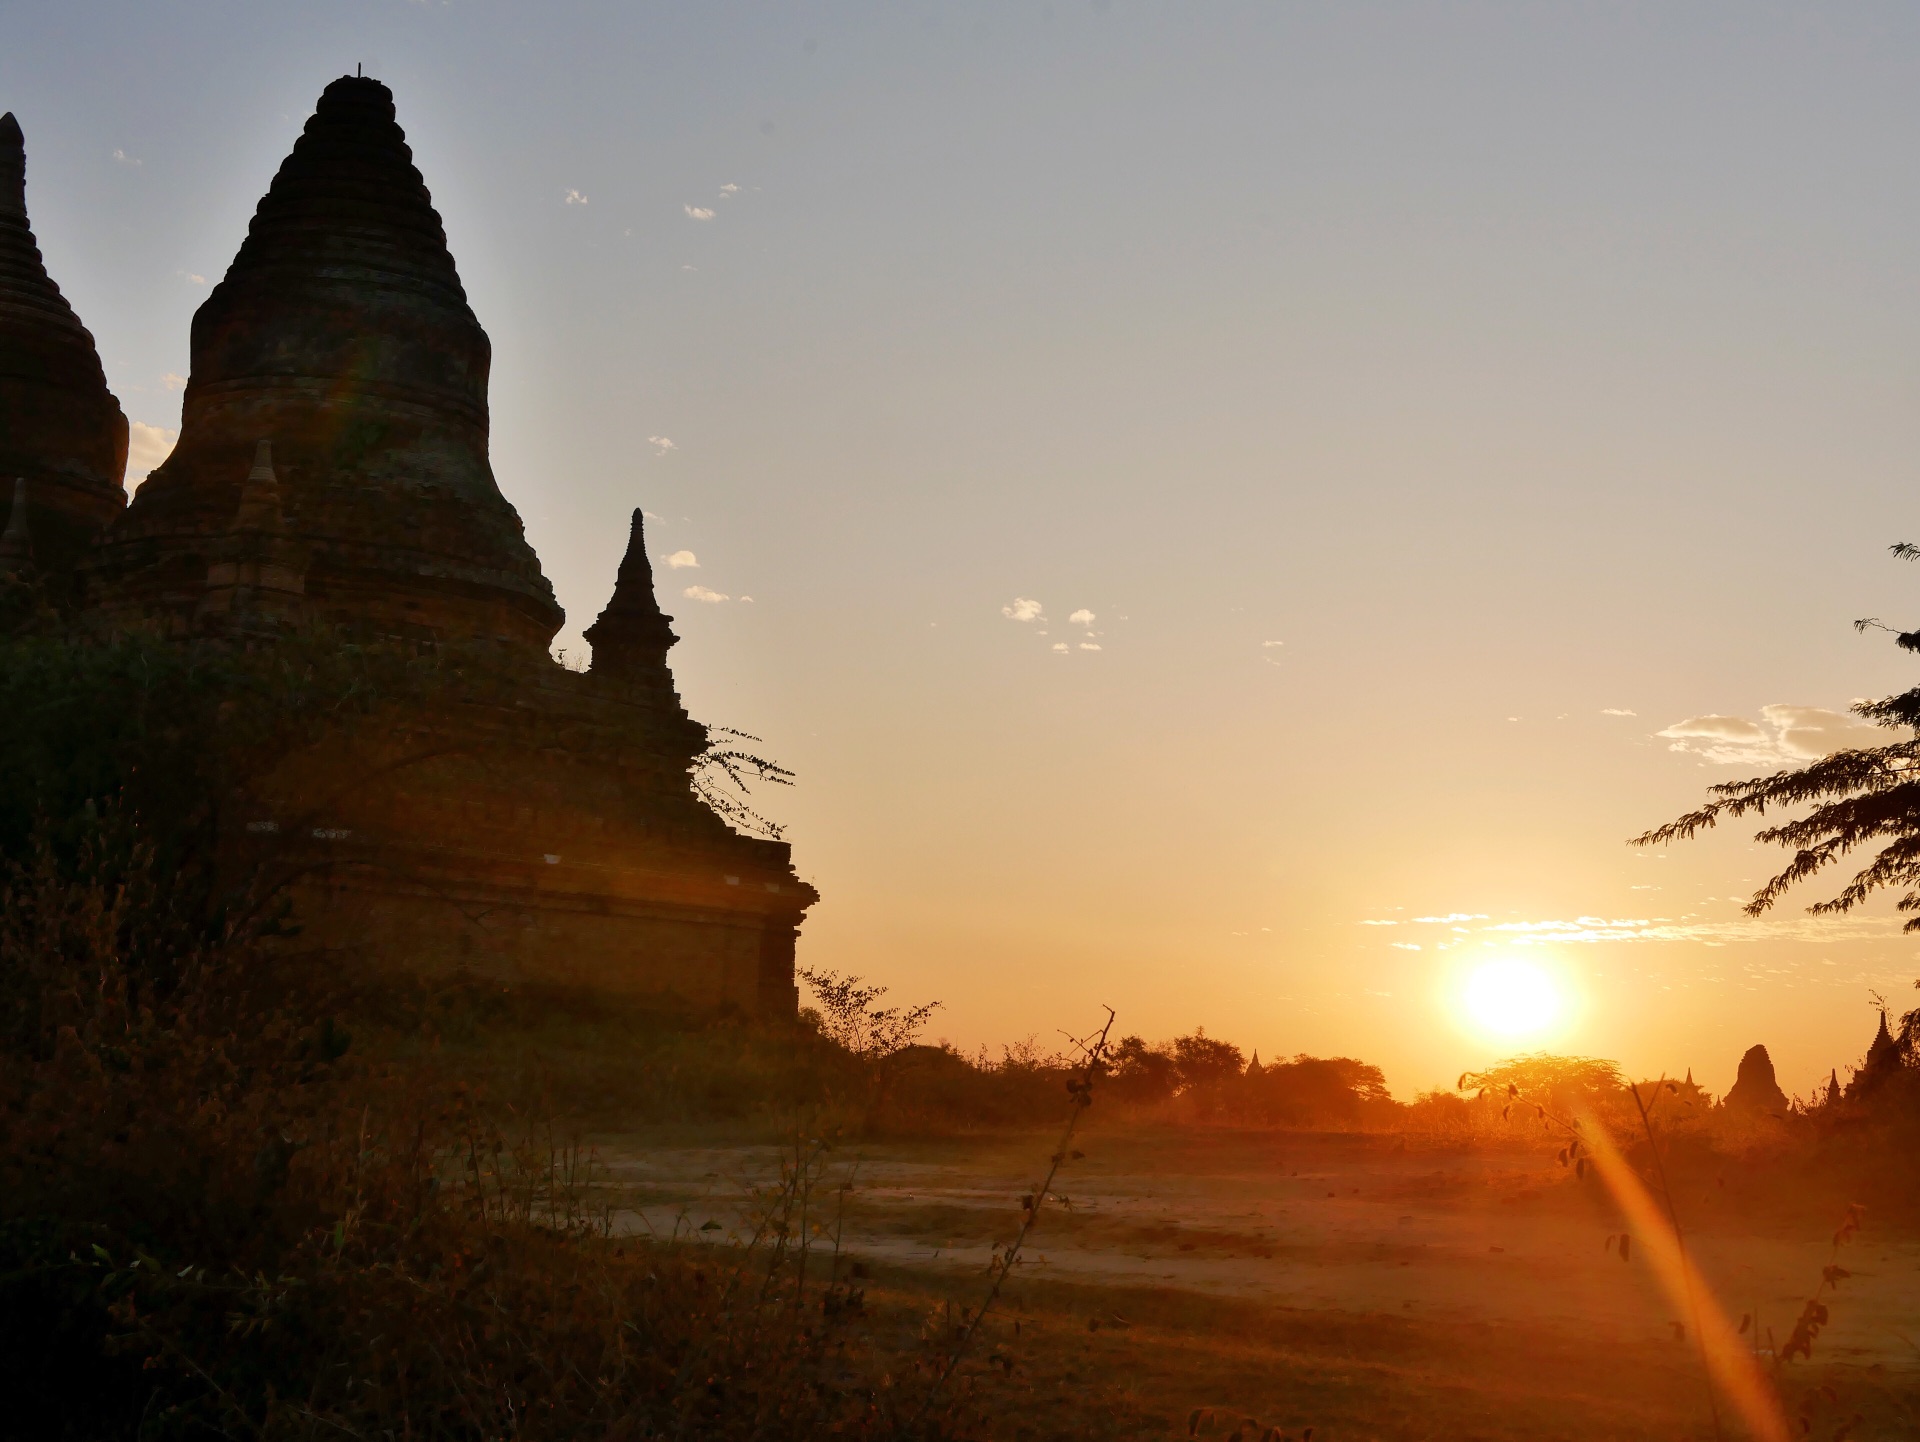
(342,336)
(528,822)
(63,439)
(1755,1087)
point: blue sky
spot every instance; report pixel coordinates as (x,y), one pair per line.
(1507,366)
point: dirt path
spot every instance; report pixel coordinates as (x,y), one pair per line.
(1340,1224)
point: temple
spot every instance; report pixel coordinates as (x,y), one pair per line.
(534,823)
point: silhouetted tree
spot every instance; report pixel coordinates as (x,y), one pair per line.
(1203,1061)
(1863,800)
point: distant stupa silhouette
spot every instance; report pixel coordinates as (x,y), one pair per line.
(1755,1089)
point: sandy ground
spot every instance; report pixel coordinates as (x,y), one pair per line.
(1340,1224)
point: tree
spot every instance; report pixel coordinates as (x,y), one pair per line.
(849,1018)
(1203,1061)
(1863,800)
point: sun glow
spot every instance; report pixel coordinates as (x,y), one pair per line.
(1514,1000)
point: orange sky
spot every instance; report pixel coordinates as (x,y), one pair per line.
(1423,410)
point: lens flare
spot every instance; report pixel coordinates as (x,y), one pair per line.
(1514,1000)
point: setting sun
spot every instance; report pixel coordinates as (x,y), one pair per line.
(1514,1000)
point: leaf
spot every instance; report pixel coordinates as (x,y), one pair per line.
(1626,1247)
(709,1226)
(1746,1321)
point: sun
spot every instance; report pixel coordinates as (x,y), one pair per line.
(1514,1000)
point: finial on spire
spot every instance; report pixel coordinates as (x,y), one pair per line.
(13,167)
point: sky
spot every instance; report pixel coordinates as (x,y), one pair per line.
(1245,507)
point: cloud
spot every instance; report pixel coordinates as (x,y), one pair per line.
(190,277)
(1784,736)
(123,158)
(575,197)
(1090,646)
(682,558)
(1061,646)
(661,445)
(1599,930)
(1264,645)
(729,189)
(1082,617)
(701,593)
(1404,945)
(1616,711)
(171,381)
(697,212)
(1024,608)
(147,447)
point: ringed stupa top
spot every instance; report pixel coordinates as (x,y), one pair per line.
(61,430)
(341,334)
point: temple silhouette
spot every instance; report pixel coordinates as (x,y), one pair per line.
(332,469)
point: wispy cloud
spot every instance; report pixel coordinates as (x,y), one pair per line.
(680,559)
(147,447)
(172,382)
(575,197)
(1082,617)
(661,445)
(729,189)
(1062,647)
(697,212)
(121,157)
(1784,736)
(1090,646)
(190,278)
(1617,711)
(1024,608)
(1598,930)
(702,593)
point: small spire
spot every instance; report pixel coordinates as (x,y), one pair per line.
(13,167)
(16,542)
(632,633)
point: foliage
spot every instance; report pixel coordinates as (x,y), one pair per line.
(1326,1093)
(1861,799)
(1202,1061)
(849,1018)
(724,774)
(1138,1073)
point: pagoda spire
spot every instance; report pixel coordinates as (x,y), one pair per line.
(60,428)
(632,635)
